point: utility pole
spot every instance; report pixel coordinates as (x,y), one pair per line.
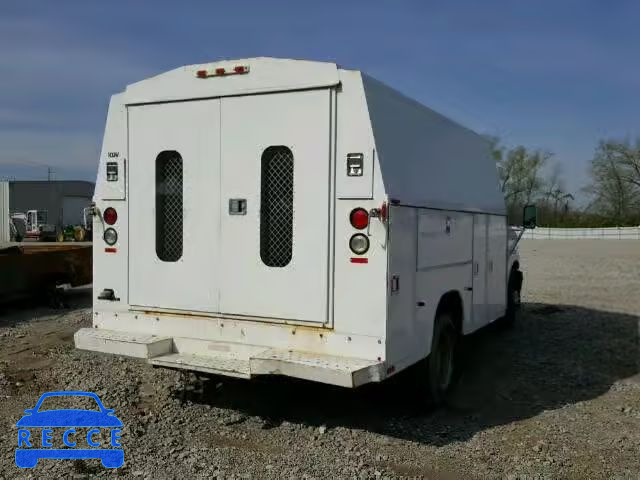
(49,173)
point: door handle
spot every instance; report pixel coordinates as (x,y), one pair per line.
(237,206)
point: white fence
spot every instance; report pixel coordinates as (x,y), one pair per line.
(613,233)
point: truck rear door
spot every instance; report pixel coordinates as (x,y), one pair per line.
(174,205)
(275,180)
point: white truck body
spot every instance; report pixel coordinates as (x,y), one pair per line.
(233,194)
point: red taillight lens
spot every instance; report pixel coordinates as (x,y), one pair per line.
(201,74)
(220,71)
(359,218)
(110,216)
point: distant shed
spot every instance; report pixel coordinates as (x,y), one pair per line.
(62,199)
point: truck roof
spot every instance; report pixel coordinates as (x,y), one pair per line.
(426,159)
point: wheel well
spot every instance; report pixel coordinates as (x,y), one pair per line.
(452,302)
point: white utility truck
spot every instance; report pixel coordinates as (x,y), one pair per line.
(270,216)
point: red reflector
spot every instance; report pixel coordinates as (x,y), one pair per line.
(220,71)
(110,216)
(384,212)
(240,69)
(359,260)
(110,250)
(202,74)
(359,218)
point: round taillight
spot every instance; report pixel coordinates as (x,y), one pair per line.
(110,236)
(359,244)
(359,218)
(110,216)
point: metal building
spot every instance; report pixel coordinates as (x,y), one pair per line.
(62,199)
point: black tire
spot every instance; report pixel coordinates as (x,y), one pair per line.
(514,288)
(436,375)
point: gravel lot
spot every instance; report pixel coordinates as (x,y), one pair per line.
(556,397)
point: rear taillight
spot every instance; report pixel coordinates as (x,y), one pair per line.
(359,244)
(359,218)
(110,216)
(110,236)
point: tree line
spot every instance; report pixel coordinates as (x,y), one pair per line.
(534,176)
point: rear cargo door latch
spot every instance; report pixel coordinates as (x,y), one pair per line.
(237,206)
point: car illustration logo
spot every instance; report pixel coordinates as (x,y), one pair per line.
(37,439)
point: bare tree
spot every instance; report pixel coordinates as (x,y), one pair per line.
(555,196)
(520,172)
(615,175)
(627,156)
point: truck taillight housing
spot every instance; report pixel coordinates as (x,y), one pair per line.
(359,218)
(110,216)
(359,244)
(110,236)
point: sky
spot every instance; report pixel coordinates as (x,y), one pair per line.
(551,75)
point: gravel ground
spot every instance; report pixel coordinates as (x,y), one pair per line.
(558,396)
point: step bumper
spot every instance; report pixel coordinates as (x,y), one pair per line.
(160,351)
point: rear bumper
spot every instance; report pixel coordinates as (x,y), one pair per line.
(232,359)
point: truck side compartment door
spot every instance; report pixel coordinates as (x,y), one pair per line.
(496,266)
(479,271)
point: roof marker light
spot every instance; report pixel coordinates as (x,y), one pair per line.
(222,72)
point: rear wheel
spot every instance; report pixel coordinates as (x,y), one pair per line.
(513,299)
(437,373)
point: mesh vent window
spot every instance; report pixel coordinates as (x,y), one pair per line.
(169,206)
(276,207)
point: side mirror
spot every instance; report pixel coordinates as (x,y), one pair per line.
(529,216)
